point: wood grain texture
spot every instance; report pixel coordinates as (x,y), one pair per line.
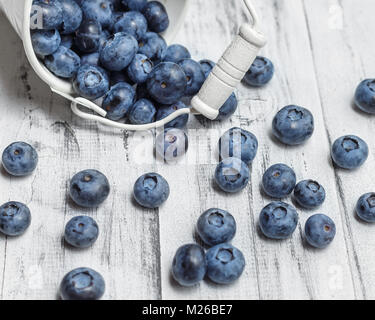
(321,50)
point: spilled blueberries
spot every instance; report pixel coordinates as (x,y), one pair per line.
(151,190)
(171,144)
(239,143)
(81,232)
(349,152)
(216,226)
(189,265)
(279,181)
(232,175)
(113,50)
(278,220)
(365,96)
(260,73)
(225,263)
(293,125)
(365,207)
(309,194)
(320,230)
(222,263)
(15,218)
(19,159)
(82,284)
(89,188)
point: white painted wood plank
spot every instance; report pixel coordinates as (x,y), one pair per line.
(343,49)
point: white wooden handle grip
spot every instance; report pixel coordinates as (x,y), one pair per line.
(228,72)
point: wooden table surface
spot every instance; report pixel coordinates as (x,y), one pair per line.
(321,50)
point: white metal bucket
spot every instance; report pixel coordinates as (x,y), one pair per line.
(218,87)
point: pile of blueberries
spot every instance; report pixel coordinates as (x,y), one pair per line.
(292,125)
(111,49)
(113,53)
(222,263)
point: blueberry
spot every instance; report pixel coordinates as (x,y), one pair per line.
(90,58)
(140,68)
(225,263)
(238,143)
(19,159)
(118,51)
(104,36)
(165,110)
(157,16)
(167,83)
(137,5)
(279,180)
(88,36)
(232,175)
(116,16)
(45,42)
(349,152)
(207,66)
(194,76)
(171,144)
(89,188)
(67,40)
(228,108)
(63,62)
(119,76)
(81,232)
(189,265)
(116,5)
(151,190)
(118,100)
(82,284)
(366,207)
(142,112)
(132,23)
(15,218)
(72,16)
(293,125)
(365,96)
(91,82)
(216,226)
(51,13)
(278,220)
(260,72)
(98,10)
(309,194)
(153,46)
(142,92)
(319,230)
(175,53)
